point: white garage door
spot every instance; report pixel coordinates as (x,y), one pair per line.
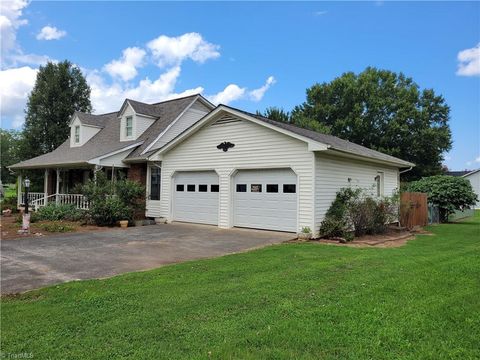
(195,197)
(266,199)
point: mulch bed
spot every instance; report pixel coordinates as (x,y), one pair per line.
(9,228)
(392,238)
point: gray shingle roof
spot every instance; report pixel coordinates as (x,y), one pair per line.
(458,173)
(107,140)
(91,119)
(169,111)
(334,142)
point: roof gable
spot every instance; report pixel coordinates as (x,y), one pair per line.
(316,141)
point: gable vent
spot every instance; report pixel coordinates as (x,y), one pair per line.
(226,119)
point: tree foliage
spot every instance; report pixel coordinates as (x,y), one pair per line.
(384,111)
(60,90)
(113,201)
(449,193)
(10,143)
(279,114)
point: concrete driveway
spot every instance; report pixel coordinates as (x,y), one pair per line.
(31,263)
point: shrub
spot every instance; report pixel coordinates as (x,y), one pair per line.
(9,202)
(108,212)
(111,202)
(357,211)
(449,193)
(56,212)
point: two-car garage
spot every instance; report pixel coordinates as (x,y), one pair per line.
(262,198)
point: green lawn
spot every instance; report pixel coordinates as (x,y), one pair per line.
(282,302)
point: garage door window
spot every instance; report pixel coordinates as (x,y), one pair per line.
(214,188)
(180,187)
(272,188)
(202,188)
(256,188)
(241,188)
(191,188)
(289,188)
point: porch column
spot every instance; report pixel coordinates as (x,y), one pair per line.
(19,189)
(57,189)
(45,187)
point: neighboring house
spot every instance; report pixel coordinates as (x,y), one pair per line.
(217,165)
(474,177)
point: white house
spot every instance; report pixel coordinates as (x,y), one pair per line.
(474,178)
(217,165)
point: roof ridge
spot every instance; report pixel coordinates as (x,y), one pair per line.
(179,98)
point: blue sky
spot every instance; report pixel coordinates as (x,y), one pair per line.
(250,55)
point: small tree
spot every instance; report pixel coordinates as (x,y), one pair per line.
(449,193)
(113,201)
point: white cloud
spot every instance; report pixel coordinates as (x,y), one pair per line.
(15,85)
(107,92)
(10,21)
(107,97)
(234,92)
(477,159)
(469,61)
(173,50)
(50,33)
(257,94)
(320,13)
(11,52)
(231,93)
(126,67)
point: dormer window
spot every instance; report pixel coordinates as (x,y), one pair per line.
(128,127)
(77,134)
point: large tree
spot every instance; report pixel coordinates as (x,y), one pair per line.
(60,90)
(9,143)
(384,111)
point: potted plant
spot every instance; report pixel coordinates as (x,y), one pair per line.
(306,233)
(123,223)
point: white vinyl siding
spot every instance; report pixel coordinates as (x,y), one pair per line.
(138,125)
(256,147)
(190,117)
(475,181)
(85,132)
(333,173)
(116,159)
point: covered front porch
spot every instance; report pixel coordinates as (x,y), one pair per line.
(61,186)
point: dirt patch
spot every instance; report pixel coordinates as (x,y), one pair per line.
(389,239)
(9,228)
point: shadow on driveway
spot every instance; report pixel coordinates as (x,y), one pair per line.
(31,263)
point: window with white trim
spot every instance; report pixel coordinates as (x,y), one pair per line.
(77,134)
(379,180)
(129,126)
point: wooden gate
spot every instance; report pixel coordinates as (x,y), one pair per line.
(413,209)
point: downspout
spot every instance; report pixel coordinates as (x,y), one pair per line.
(407,170)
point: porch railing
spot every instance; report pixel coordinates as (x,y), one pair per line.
(32,196)
(79,200)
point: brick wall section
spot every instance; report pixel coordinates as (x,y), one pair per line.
(138,173)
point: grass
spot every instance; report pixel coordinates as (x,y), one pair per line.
(420,301)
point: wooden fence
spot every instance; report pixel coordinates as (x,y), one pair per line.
(413,209)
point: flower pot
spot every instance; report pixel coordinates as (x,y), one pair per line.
(123,223)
